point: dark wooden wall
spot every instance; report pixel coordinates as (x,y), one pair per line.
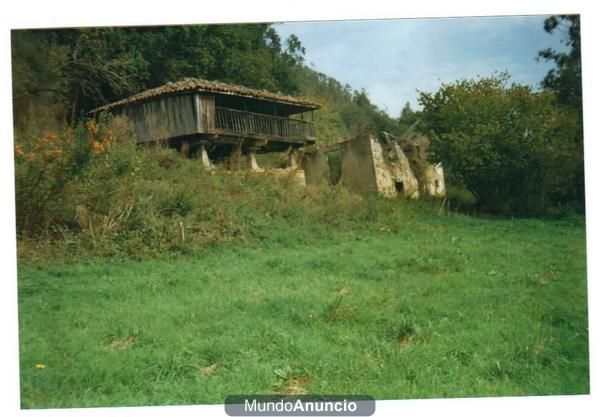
(188,114)
(171,116)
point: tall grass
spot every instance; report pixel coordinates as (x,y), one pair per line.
(457,308)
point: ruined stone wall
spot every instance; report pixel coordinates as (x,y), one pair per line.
(384,178)
(367,165)
(433,182)
(316,168)
(404,177)
(358,170)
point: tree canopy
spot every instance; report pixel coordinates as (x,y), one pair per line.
(565,79)
(84,68)
(512,147)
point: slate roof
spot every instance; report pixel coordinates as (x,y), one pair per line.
(194,84)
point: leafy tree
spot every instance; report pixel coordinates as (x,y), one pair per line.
(508,145)
(36,81)
(565,79)
(344,112)
(79,67)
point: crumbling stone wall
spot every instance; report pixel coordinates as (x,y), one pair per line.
(316,168)
(433,180)
(367,165)
(405,180)
(358,166)
(398,166)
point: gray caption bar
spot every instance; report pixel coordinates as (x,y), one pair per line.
(299,405)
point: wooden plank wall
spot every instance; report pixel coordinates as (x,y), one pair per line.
(164,117)
(205,106)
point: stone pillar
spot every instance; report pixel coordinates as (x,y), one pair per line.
(252,164)
(204,157)
(292,159)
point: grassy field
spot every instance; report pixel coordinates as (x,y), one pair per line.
(453,307)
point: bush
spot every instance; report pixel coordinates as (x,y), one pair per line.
(460,198)
(48,164)
(512,147)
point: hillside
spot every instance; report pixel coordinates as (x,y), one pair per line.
(146,277)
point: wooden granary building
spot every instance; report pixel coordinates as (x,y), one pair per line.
(217,119)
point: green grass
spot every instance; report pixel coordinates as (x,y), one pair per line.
(450,308)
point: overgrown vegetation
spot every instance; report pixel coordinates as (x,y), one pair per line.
(90,192)
(515,149)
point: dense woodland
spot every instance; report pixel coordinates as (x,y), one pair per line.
(507,149)
(61,74)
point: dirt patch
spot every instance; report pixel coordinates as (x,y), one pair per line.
(123,344)
(210,369)
(403,340)
(296,386)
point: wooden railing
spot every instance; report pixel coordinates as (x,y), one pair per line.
(236,121)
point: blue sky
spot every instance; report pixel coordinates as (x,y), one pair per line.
(392,59)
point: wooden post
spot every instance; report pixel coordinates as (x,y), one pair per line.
(442,206)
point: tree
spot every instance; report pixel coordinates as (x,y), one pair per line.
(565,79)
(508,145)
(80,68)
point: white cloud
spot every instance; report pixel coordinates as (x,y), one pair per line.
(391,59)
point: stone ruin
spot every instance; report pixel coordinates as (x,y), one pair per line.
(391,167)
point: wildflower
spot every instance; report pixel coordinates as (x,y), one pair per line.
(92,127)
(97,147)
(50,137)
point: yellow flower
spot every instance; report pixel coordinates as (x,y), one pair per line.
(40,366)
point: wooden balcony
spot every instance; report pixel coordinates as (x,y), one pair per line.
(242,123)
